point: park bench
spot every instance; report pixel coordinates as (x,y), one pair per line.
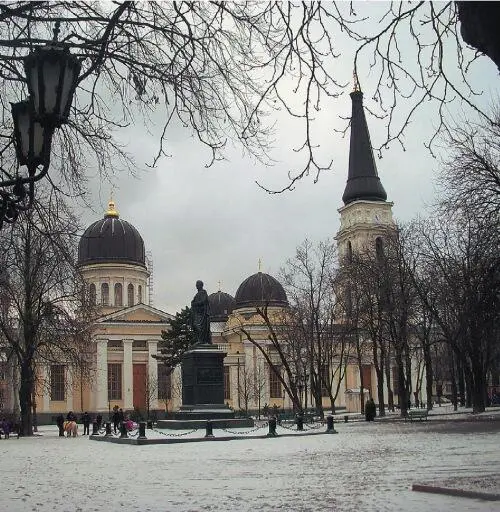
(417,414)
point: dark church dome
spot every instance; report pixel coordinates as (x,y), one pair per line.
(111,240)
(260,290)
(221,306)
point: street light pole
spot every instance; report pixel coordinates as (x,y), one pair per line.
(52,76)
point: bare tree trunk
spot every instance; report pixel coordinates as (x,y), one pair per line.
(469,388)
(25,399)
(461,382)
(454,397)
(429,375)
(390,392)
(403,399)
(379,370)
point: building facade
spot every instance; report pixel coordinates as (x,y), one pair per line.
(125,335)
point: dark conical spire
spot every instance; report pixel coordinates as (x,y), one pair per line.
(362,181)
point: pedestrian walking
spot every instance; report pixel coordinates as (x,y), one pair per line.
(86,424)
(116,419)
(60,424)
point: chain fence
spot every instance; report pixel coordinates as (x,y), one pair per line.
(313,426)
(291,426)
(246,432)
(171,434)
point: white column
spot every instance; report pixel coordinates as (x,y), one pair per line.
(69,388)
(128,375)
(153,373)
(46,388)
(102,376)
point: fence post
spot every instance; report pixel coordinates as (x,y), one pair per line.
(329,425)
(209,429)
(108,429)
(123,430)
(95,429)
(300,422)
(142,430)
(272,427)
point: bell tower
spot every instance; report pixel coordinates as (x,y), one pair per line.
(366,215)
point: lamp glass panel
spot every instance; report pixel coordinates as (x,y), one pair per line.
(23,123)
(67,84)
(33,71)
(51,73)
(37,140)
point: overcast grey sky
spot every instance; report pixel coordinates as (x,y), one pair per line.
(214,224)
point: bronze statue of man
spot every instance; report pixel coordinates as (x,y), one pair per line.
(200,316)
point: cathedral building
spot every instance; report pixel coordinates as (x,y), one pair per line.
(127,329)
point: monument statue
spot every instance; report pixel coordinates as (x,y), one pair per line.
(200,316)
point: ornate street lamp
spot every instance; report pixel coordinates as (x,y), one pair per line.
(32,140)
(52,76)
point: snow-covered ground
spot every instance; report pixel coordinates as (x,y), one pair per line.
(365,467)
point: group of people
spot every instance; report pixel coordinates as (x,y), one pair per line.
(117,417)
(71,416)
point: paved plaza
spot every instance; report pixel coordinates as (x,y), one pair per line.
(365,467)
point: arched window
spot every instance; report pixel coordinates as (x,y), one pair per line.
(379,247)
(92,294)
(104,294)
(130,294)
(118,294)
(139,294)
(349,251)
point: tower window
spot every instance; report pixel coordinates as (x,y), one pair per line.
(130,294)
(104,294)
(92,295)
(118,294)
(139,294)
(379,247)
(349,251)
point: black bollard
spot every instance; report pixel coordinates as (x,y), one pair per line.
(300,422)
(329,425)
(210,429)
(123,430)
(272,428)
(108,429)
(95,428)
(150,424)
(346,419)
(142,430)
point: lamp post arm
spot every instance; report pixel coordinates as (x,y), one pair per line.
(29,179)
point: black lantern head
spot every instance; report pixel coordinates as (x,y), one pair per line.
(32,140)
(52,75)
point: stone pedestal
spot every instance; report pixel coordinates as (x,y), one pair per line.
(203,392)
(203,376)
